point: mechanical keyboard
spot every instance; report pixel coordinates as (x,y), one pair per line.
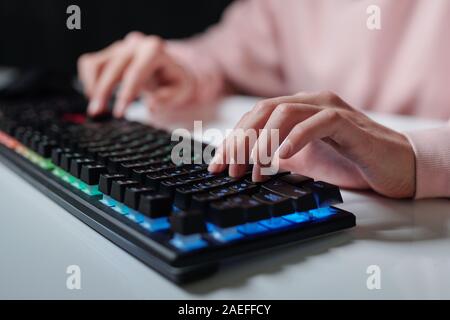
(117,176)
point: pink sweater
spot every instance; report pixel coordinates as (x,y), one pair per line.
(279,47)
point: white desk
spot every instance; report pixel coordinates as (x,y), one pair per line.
(408,240)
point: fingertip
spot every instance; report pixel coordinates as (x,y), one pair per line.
(285,150)
(94,107)
(215,168)
(233,171)
(256,174)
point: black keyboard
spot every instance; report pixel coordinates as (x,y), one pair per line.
(117,176)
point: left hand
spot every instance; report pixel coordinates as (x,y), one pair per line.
(325,138)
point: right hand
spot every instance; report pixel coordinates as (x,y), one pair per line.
(142,66)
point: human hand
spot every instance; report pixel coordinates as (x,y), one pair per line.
(323,137)
(142,66)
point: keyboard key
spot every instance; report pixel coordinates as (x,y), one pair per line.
(322,213)
(253,210)
(155,205)
(201,201)
(225,214)
(183,196)
(296,179)
(188,222)
(45,148)
(106,180)
(118,188)
(188,243)
(327,193)
(133,194)
(66,159)
(278,205)
(90,173)
(245,187)
(76,164)
(56,154)
(302,198)
(170,185)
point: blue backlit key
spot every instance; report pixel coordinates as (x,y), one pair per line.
(322,213)
(188,227)
(298,217)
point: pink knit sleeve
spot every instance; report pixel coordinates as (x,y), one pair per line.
(240,53)
(432,151)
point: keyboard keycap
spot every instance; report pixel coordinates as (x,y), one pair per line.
(106,180)
(90,173)
(278,205)
(253,210)
(56,155)
(76,165)
(66,159)
(225,214)
(155,205)
(188,222)
(327,193)
(302,198)
(118,188)
(296,179)
(133,194)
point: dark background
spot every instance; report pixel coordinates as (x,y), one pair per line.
(33,33)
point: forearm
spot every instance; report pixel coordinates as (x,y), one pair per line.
(432,152)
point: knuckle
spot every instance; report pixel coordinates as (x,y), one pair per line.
(130,42)
(330,97)
(261,106)
(154,42)
(246,116)
(85,59)
(284,109)
(134,36)
(298,130)
(332,115)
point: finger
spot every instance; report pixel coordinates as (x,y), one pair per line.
(89,68)
(244,135)
(322,98)
(146,60)
(218,162)
(285,117)
(109,79)
(327,124)
(173,94)
(260,114)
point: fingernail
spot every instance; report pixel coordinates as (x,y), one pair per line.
(94,106)
(233,168)
(275,163)
(118,109)
(256,174)
(215,163)
(253,155)
(213,167)
(285,149)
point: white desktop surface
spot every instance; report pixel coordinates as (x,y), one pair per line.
(408,240)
